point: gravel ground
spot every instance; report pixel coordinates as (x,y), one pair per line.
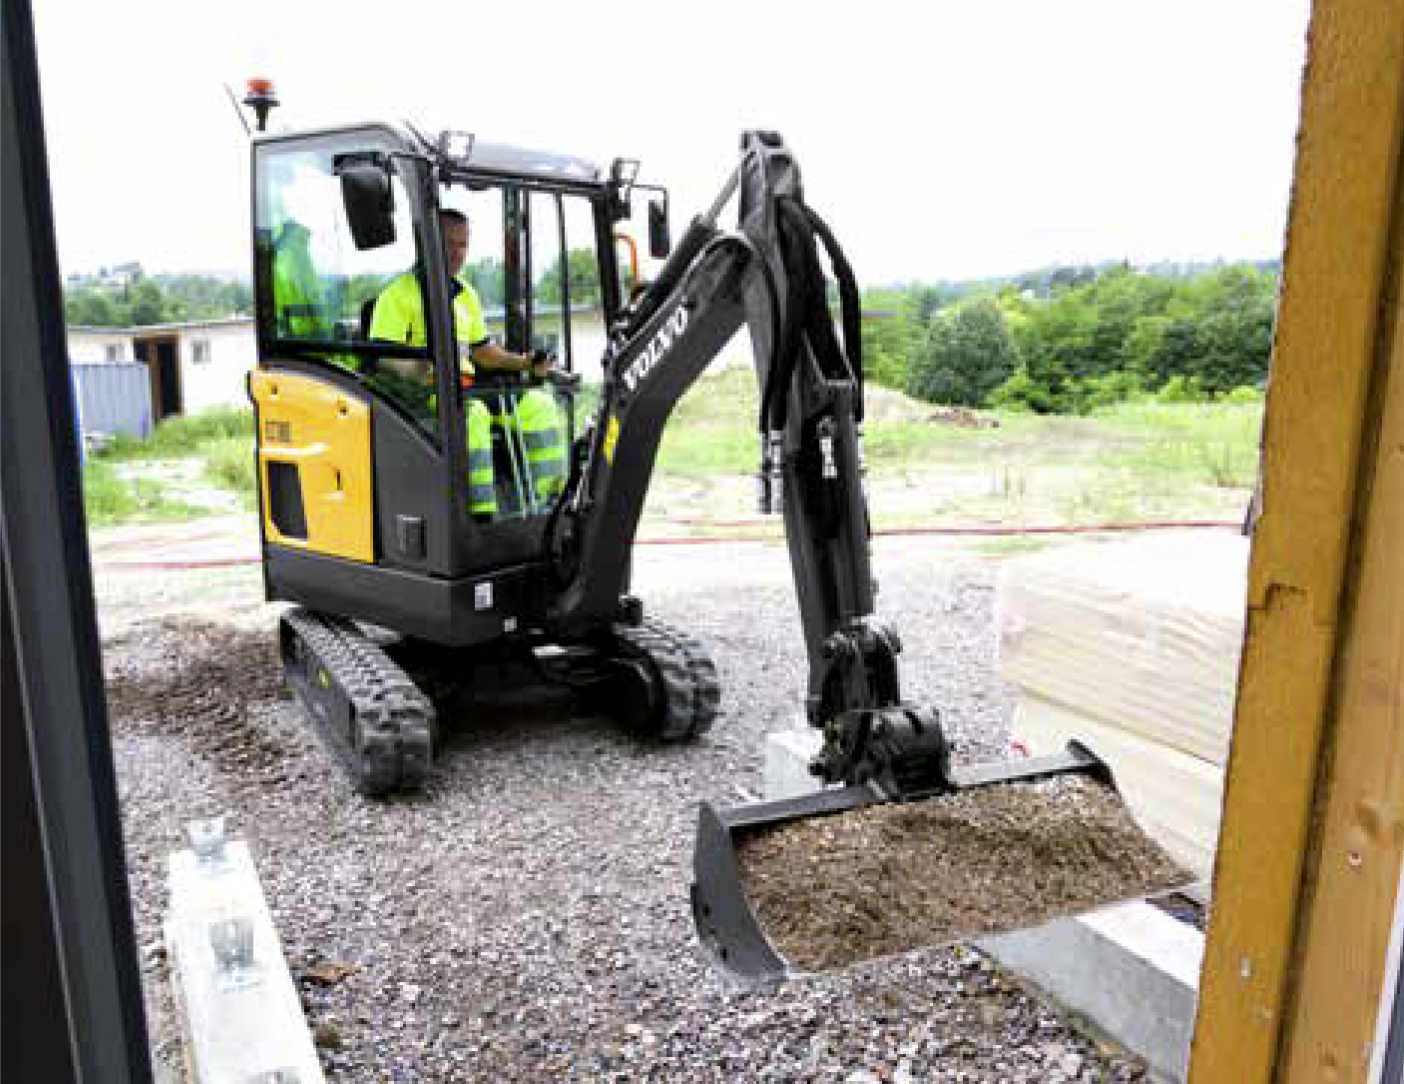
(526,918)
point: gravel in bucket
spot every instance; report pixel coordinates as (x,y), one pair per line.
(833,890)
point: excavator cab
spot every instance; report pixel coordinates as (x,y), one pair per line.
(409,456)
(384,450)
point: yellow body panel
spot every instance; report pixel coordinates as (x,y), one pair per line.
(326,434)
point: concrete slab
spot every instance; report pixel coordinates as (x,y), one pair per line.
(1130,970)
(241,1018)
(785,773)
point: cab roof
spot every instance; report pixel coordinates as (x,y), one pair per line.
(484,157)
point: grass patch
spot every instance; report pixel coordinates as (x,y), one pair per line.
(1214,444)
(230,463)
(713,428)
(223,438)
(1130,462)
(185,435)
(111,499)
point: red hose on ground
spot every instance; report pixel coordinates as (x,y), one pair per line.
(891,532)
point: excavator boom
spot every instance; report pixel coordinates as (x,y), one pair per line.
(768,275)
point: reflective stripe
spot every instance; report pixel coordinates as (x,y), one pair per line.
(479,459)
(548,468)
(482,497)
(541,438)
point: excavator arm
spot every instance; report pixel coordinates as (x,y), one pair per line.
(767,275)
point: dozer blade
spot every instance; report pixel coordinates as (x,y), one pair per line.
(728,924)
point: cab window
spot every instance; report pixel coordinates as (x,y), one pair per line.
(319,288)
(319,281)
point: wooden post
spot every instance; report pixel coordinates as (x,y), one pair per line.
(1310,847)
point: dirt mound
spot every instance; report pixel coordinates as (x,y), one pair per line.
(961,418)
(888,405)
(204,682)
(831,891)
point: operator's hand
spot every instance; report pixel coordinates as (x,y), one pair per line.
(542,363)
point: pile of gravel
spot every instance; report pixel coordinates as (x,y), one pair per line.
(526,917)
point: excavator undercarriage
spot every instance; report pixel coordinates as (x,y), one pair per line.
(378,718)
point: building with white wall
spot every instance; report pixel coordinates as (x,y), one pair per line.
(193,366)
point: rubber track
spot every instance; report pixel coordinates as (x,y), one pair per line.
(393,720)
(692,694)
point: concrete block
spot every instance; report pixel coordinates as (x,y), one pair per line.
(1130,970)
(786,765)
(241,1018)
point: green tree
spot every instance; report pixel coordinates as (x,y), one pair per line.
(147,305)
(1147,333)
(584,279)
(1021,392)
(890,331)
(1235,330)
(91,308)
(967,353)
(1055,344)
(1177,352)
(926,301)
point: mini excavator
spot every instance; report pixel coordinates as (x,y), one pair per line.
(363,458)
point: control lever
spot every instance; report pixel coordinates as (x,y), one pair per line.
(557,378)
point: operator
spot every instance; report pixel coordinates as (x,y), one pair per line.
(299,306)
(399,317)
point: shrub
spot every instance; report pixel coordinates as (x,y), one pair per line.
(967,354)
(1097,392)
(1021,392)
(1182,389)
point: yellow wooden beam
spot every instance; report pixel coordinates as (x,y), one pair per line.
(1352,871)
(1320,432)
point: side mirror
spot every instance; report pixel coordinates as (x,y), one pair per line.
(660,243)
(370,203)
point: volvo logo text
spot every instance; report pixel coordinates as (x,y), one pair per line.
(654,352)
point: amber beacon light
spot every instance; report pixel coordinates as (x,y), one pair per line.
(261,98)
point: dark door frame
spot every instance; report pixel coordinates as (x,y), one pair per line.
(147,349)
(72,997)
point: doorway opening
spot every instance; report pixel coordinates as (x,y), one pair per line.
(162,357)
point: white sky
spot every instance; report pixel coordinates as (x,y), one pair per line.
(939,140)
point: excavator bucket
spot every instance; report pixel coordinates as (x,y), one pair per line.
(821,911)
